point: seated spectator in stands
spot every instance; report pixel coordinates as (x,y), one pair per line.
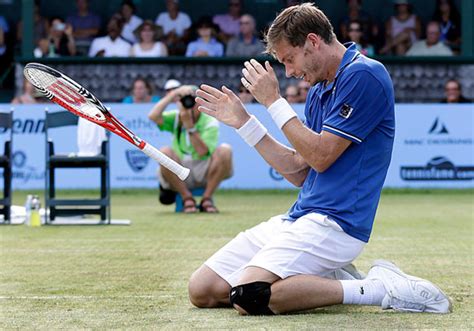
(148,45)
(85,24)
(229,23)
(244,95)
(292,94)
(369,30)
(132,21)
(40,27)
(354,31)
(175,26)
(112,44)
(29,95)
(60,41)
(431,46)
(246,43)
(401,30)
(195,145)
(142,92)
(303,88)
(453,92)
(206,44)
(447,15)
(4,28)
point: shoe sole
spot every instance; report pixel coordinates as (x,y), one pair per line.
(393,267)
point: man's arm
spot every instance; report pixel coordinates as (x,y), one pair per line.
(320,151)
(226,107)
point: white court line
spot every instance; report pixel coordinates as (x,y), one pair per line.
(82,297)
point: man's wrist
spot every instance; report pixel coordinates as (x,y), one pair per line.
(281,112)
(252,131)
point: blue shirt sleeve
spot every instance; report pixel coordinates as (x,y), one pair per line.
(360,105)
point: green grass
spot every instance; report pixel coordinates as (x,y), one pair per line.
(97,277)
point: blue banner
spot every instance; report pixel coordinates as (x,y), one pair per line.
(433,149)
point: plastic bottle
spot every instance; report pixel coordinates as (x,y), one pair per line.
(35,218)
(28,201)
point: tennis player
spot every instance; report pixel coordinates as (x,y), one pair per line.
(340,159)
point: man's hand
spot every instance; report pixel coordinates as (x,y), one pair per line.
(261,82)
(223,105)
(182,91)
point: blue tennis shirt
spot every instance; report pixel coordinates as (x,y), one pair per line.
(358,106)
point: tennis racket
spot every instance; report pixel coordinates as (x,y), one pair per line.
(70,95)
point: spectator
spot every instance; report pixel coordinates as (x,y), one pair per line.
(175,26)
(354,31)
(40,27)
(244,95)
(206,44)
(229,24)
(112,44)
(3,31)
(303,88)
(246,43)
(292,94)
(431,46)
(447,15)
(29,95)
(60,41)
(142,92)
(148,45)
(195,138)
(453,92)
(132,22)
(369,30)
(85,25)
(401,30)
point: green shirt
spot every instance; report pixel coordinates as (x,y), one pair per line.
(206,126)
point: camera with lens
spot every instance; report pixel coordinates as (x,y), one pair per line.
(188,101)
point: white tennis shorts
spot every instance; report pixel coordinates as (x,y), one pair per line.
(312,245)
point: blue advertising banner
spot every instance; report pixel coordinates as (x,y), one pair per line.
(433,149)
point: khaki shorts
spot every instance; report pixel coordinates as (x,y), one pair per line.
(197,177)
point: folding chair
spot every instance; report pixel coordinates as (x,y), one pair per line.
(6,121)
(73,207)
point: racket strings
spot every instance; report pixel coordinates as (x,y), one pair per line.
(66,93)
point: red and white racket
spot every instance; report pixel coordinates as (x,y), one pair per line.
(72,96)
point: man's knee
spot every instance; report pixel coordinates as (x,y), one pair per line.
(253,298)
(207,290)
(223,153)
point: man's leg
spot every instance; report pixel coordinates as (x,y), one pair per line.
(176,184)
(220,168)
(207,289)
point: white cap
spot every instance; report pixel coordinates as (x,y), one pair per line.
(171,84)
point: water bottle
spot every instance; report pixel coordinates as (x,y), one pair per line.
(28,201)
(35,218)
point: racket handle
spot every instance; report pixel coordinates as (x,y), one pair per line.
(165,161)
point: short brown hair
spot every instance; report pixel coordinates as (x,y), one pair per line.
(295,23)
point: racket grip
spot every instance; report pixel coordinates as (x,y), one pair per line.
(165,161)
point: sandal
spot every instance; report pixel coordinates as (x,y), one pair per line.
(189,205)
(207,206)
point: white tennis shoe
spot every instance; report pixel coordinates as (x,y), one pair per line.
(348,272)
(408,293)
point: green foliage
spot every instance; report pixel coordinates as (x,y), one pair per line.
(98,277)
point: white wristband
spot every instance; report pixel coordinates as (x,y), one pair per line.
(281,112)
(252,131)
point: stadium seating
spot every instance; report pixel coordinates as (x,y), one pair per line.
(74,207)
(413,82)
(6,121)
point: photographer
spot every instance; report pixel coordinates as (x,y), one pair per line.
(60,41)
(195,138)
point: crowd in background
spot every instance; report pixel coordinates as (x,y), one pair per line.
(233,33)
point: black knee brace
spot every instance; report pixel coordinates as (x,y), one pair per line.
(252,297)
